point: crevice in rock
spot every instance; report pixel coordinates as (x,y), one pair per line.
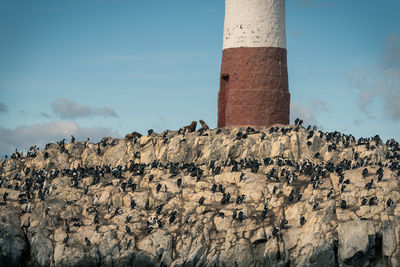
(335,252)
(375,249)
(26,256)
(357,260)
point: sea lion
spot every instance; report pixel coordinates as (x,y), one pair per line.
(133,135)
(192,127)
(204,126)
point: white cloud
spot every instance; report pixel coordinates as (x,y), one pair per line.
(301,111)
(43,133)
(68,109)
(379,85)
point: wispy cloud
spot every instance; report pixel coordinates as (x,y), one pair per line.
(163,56)
(297,33)
(43,133)
(319,105)
(117,59)
(3,108)
(307,3)
(315,3)
(379,85)
(160,124)
(299,110)
(392,52)
(44,114)
(306,111)
(68,109)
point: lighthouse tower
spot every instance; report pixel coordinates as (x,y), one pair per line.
(254,88)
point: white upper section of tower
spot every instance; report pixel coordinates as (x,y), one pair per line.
(254,23)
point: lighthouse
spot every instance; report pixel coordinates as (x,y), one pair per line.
(254,88)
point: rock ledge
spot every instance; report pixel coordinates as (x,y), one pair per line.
(240,197)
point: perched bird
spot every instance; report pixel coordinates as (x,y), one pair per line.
(343,188)
(275,189)
(299,196)
(214,188)
(158,187)
(283,223)
(291,195)
(343,204)
(240,199)
(133,203)
(364,201)
(365,173)
(96,219)
(389,202)
(379,171)
(372,201)
(310,135)
(241,216)
(128,218)
(369,185)
(172,217)
(264,213)
(201,200)
(380,176)
(329,195)
(275,232)
(225,199)
(65,241)
(302,221)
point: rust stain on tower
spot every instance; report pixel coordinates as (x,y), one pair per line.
(254,89)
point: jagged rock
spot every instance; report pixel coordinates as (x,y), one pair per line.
(264,198)
(13,243)
(353,242)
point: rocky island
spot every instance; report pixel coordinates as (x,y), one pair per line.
(279,196)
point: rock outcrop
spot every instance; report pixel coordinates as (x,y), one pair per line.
(274,197)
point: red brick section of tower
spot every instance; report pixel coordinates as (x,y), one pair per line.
(254,88)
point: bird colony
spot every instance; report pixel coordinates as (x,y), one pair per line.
(279,196)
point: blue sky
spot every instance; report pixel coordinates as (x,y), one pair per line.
(96,68)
